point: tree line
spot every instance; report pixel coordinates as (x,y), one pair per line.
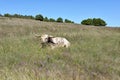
(89,21)
(37,17)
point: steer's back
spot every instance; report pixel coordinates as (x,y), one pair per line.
(61,41)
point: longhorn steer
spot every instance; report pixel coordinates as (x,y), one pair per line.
(54,41)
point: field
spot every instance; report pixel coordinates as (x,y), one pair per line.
(94,53)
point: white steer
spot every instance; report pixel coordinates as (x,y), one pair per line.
(55,41)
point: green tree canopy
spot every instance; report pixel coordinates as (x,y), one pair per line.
(52,20)
(68,21)
(60,20)
(39,17)
(7,15)
(88,21)
(99,22)
(46,19)
(1,15)
(94,21)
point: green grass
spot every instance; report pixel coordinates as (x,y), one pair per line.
(94,53)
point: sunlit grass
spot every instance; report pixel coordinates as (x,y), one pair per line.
(94,53)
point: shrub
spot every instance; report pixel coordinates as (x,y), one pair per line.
(68,21)
(52,20)
(1,15)
(87,22)
(46,19)
(39,17)
(7,15)
(99,22)
(94,21)
(19,16)
(60,20)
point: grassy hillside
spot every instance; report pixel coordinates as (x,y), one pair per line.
(94,53)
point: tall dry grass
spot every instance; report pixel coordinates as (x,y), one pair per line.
(94,53)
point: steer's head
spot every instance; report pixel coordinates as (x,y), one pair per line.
(44,38)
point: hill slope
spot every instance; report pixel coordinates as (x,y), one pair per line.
(94,53)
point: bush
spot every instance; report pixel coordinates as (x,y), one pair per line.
(99,22)
(94,21)
(7,15)
(39,17)
(19,16)
(87,22)
(46,19)
(1,15)
(52,20)
(60,20)
(68,21)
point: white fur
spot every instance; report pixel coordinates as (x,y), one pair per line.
(57,41)
(44,38)
(63,42)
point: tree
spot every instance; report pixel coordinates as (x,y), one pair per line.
(52,20)
(60,20)
(68,21)
(99,22)
(46,19)
(7,15)
(88,21)
(31,17)
(94,21)
(1,15)
(16,15)
(39,17)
